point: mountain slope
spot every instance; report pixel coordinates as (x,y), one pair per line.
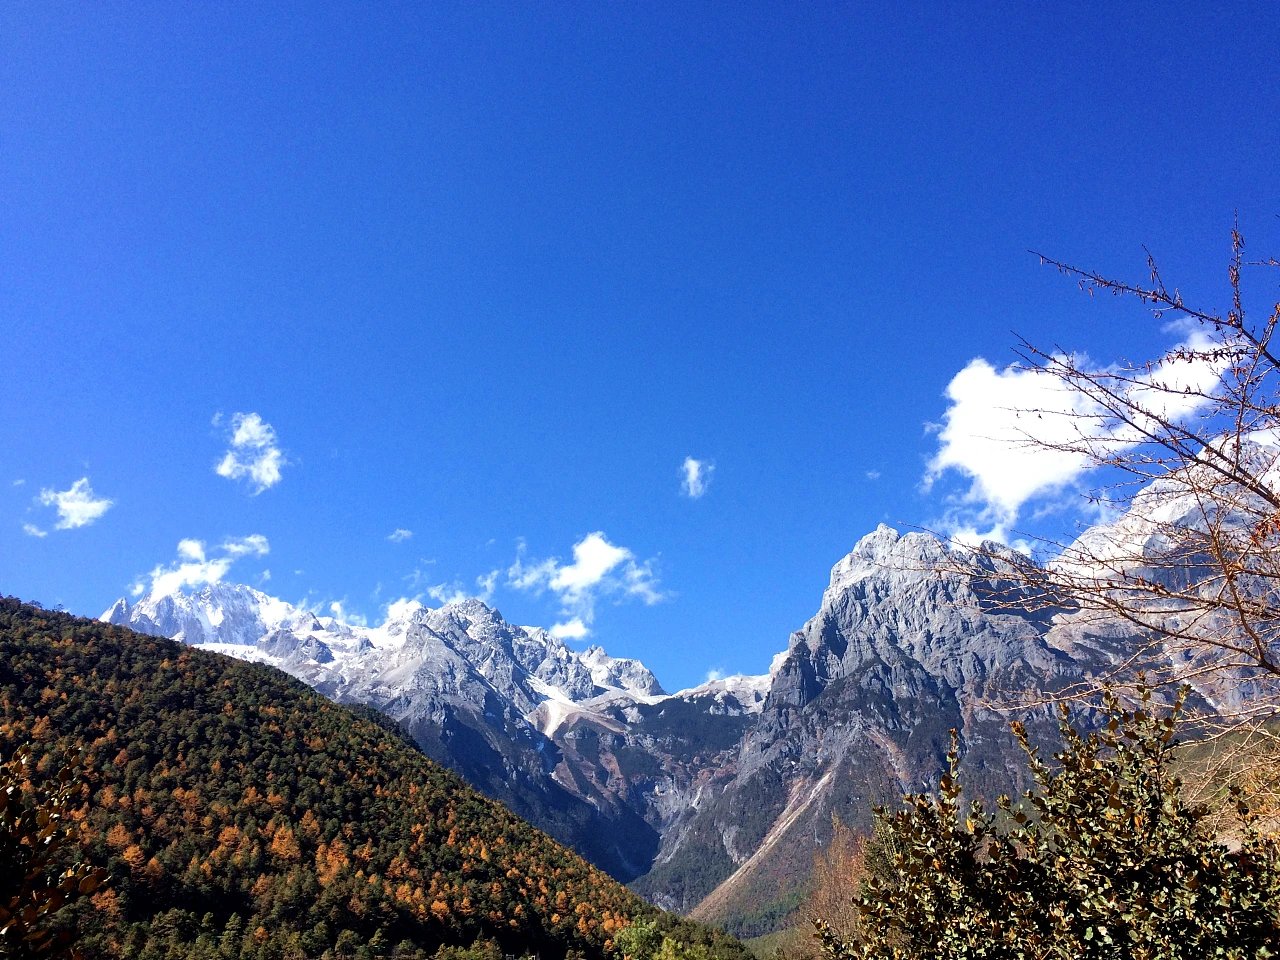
(235,806)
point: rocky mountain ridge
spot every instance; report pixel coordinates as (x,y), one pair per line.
(710,801)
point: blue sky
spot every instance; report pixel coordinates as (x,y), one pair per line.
(492,273)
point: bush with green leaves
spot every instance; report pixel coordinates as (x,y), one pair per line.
(1102,859)
(646,940)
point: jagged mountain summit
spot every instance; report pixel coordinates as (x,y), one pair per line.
(526,665)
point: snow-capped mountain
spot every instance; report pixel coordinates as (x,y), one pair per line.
(697,794)
(221,613)
(468,642)
(710,799)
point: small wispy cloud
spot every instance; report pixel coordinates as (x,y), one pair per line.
(713,675)
(457,592)
(873,474)
(404,607)
(254,454)
(19,482)
(399,535)
(697,477)
(255,545)
(447,593)
(77,506)
(573,629)
(599,569)
(418,579)
(31,530)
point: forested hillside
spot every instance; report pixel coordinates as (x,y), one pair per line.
(242,815)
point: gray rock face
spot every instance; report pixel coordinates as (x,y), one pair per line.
(858,712)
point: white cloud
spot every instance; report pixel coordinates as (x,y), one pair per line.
(253,545)
(714,674)
(31,530)
(193,566)
(264,577)
(78,506)
(873,474)
(532,577)
(593,558)
(697,477)
(456,592)
(419,577)
(18,483)
(1001,426)
(1176,380)
(403,607)
(487,584)
(639,580)
(573,629)
(254,455)
(400,535)
(194,573)
(138,589)
(984,436)
(599,569)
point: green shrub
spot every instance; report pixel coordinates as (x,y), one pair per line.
(1102,859)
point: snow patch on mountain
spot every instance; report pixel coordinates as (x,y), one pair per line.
(749,692)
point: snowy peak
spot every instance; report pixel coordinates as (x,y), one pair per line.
(749,693)
(620,673)
(884,549)
(119,612)
(218,613)
(522,665)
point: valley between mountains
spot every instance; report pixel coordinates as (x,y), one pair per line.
(710,801)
